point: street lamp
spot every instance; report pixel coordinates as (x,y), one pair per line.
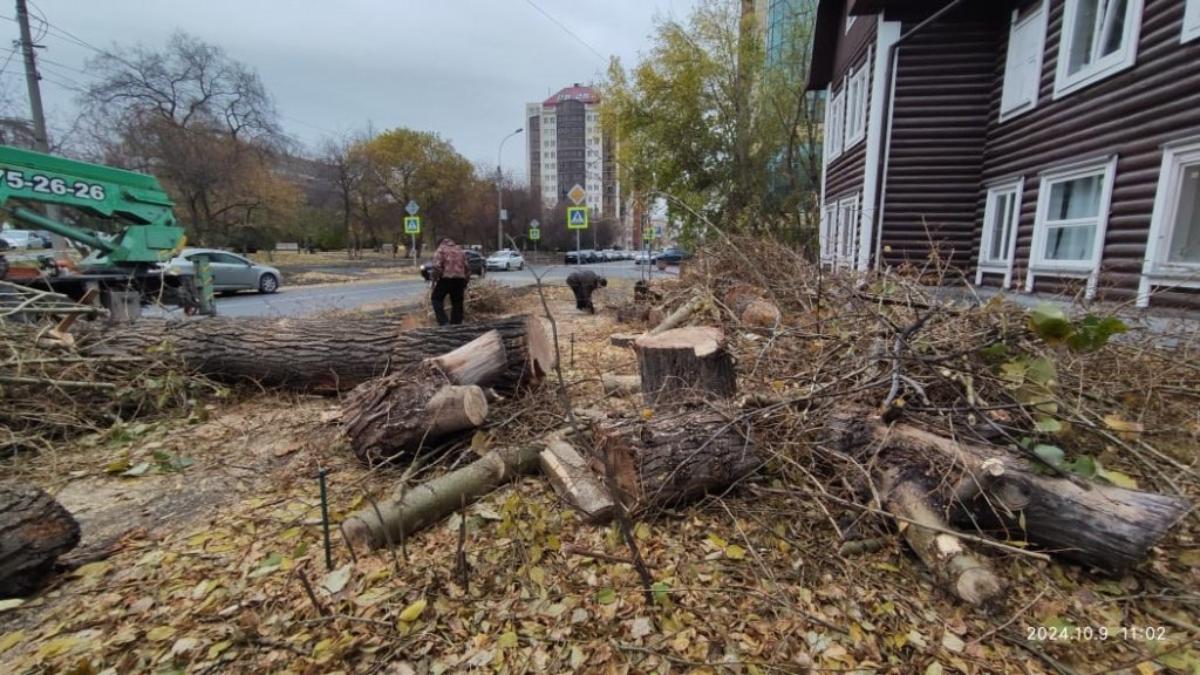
(500,192)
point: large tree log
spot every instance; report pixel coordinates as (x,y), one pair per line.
(697,303)
(408,511)
(34,530)
(403,413)
(1090,523)
(675,458)
(319,354)
(683,364)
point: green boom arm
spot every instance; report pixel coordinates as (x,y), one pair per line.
(137,200)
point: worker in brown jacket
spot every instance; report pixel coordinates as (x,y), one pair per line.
(583,283)
(450,275)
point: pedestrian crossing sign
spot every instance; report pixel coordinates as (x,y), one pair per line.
(577,218)
(412,225)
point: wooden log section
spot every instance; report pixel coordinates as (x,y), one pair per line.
(685,364)
(751,308)
(574,481)
(327,355)
(400,415)
(1090,523)
(410,510)
(675,458)
(968,576)
(34,530)
(621,385)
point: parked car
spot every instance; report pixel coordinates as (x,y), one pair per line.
(642,258)
(672,256)
(585,256)
(25,239)
(475,261)
(231,272)
(506,260)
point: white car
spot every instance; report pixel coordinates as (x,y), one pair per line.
(642,258)
(24,239)
(505,259)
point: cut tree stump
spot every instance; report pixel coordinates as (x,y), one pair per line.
(685,364)
(402,414)
(574,481)
(328,355)
(675,458)
(1090,523)
(408,511)
(34,530)
(751,308)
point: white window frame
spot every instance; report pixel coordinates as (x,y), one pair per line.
(846,252)
(850,19)
(1102,68)
(836,128)
(1156,270)
(1191,21)
(828,241)
(856,104)
(1016,188)
(1078,269)
(1037,19)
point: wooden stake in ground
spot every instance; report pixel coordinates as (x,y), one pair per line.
(677,457)
(408,511)
(34,530)
(684,364)
(318,354)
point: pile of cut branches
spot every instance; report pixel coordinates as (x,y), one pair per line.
(51,389)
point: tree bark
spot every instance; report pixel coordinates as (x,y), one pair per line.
(623,339)
(674,459)
(34,530)
(620,385)
(325,355)
(685,364)
(1090,523)
(574,481)
(480,361)
(408,511)
(680,315)
(399,415)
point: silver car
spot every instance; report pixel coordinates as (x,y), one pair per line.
(231,272)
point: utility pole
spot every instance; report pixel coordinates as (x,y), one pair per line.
(500,190)
(40,141)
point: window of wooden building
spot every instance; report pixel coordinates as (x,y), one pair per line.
(835,126)
(1072,215)
(1002,214)
(1099,38)
(1173,246)
(1023,65)
(856,105)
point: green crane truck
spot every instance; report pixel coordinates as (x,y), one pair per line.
(131,260)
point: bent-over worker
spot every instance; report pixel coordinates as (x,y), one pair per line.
(583,283)
(450,275)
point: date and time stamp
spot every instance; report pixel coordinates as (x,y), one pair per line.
(1096,633)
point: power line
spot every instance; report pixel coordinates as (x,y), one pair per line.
(568,31)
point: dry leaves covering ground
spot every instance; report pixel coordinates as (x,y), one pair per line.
(219,534)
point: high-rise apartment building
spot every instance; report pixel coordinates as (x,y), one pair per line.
(567,147)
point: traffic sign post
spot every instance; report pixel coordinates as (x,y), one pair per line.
(535,234)
(412,226)
(577,219)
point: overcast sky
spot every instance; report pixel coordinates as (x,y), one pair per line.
(462,68)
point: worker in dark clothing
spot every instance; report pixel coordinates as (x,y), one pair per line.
(583,283)
(450,275)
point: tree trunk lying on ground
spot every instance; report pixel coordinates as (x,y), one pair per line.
(676,457)
(751,308)
(1089,523)
(318,354)
(684,364)
(676,318)
(413,409)
(34,530)
(408,511)
(621,385)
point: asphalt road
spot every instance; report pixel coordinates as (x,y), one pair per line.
(303,300)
